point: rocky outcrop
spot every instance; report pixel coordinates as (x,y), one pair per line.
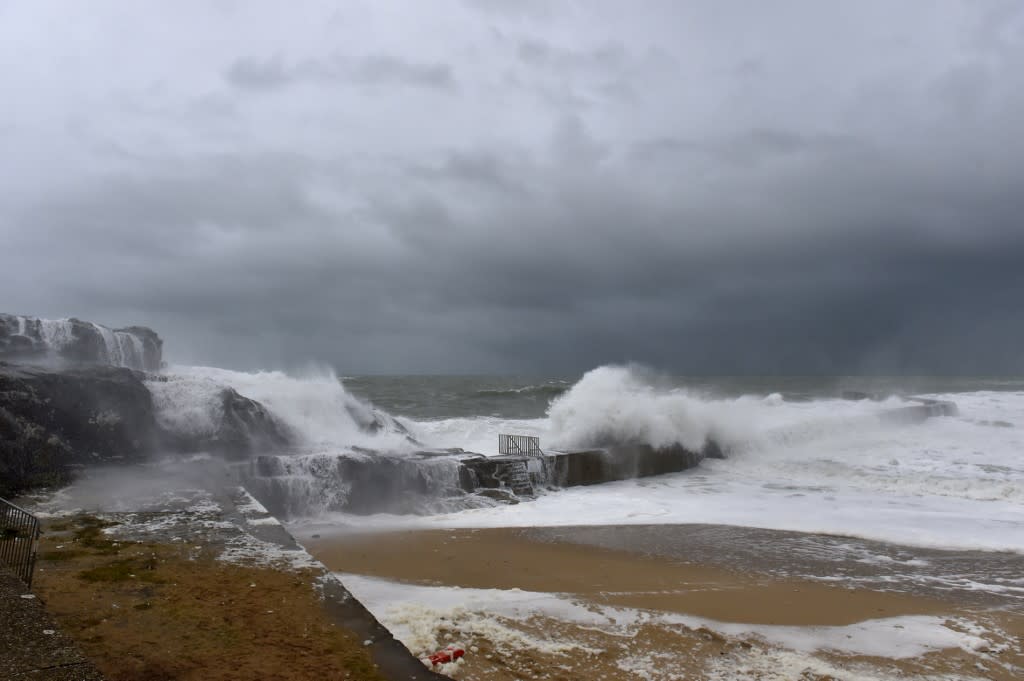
(55,421)
(73,340)
(246,426)
(52,422)
(234,425)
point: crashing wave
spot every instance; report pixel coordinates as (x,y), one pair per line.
(315,408)
(623,405)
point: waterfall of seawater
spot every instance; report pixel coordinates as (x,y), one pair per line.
(300,485)
(58,336)
(122,348)
(56,333)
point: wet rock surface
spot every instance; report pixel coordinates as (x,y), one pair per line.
(56,421)
(74,340)
(53,421)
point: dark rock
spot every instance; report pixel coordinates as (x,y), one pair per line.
(74,340)
(52,421)
(373,420)
(246,426)
(242,427)
(502,494)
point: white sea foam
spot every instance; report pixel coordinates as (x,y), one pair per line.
(478,434)
(314,405)
(415,614)
(619,405)
(827,465)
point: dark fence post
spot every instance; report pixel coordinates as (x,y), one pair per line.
(19,531)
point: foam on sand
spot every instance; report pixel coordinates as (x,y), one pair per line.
(426,618)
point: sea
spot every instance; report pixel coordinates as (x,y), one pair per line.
(802,453)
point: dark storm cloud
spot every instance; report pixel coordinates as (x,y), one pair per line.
(542,191)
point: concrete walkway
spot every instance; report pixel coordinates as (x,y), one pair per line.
(32,648)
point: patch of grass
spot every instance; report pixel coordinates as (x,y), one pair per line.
(182,617)
(131,569)
(66,554)
(90,534)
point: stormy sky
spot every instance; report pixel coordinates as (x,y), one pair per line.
(486,186)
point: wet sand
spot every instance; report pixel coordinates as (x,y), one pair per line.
(629,573)
(512,559)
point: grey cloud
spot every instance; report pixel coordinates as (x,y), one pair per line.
(528,216)
(747,148)
(542,54)
(479,168)
(261,74)
(384,69)
(378,70)
(532,9)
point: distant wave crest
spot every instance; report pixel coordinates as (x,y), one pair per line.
(547,390)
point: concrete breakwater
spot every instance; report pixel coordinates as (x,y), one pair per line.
(580,467)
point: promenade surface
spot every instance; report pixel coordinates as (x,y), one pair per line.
(32,648)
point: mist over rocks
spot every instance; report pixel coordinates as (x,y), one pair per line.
(359,483)
(225,422)
(53,421)
(24,338)
(73,393)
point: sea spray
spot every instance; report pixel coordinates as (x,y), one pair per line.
(315,406)
(310,485)
(56,333)
(618,405)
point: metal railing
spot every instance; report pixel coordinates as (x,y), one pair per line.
(523,445)
(19,531)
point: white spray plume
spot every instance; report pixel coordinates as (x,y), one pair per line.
(314,405)
(630,405)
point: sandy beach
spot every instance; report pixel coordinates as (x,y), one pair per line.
(517,596)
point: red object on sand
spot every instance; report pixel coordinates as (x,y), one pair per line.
(446,655)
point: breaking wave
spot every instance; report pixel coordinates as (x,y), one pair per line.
(616,405)
(314,406)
